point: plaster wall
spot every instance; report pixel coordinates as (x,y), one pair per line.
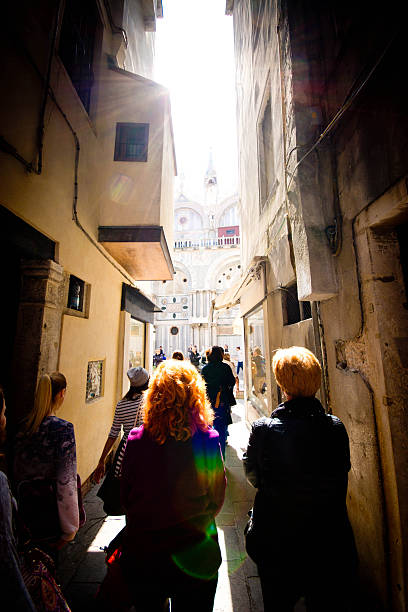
(45,201)
(131,192)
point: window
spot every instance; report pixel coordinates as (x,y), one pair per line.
(131,142)
(258,366)
(229,217)
(79,29)
(266,164)
(94,380)
(137,341)
(76,293)
(77,296)
(293,310)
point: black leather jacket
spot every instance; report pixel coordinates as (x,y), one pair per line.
(300,534)
(299,458)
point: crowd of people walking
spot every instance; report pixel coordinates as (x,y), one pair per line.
(168,477)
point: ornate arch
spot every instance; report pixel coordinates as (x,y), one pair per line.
(224,206)
(220,270)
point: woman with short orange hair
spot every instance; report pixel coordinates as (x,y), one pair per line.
(298,460)
(173,485)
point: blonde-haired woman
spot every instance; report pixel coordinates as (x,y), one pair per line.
(173,485)
(299,460)
(45,471)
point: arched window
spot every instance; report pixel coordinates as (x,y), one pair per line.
(229,217)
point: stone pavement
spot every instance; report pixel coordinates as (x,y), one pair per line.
(82,564)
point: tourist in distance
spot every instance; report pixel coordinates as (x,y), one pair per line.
(240,360)
(173,485)
(177,355)
(220,381)
(158,357)
(195,356)
(227,360)
(299,535)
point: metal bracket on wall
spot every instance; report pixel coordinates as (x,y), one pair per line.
(333,235)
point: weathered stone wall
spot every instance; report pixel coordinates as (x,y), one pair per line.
(364,322)
(351,188)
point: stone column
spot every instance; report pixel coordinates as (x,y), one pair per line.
(194,328)
(208,337)
(213,334)
(37,342)
(205,304)
(194,304)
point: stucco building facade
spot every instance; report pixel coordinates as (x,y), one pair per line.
(86,203)
(207,262)
(323,165)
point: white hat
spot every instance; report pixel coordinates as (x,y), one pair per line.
(137,376)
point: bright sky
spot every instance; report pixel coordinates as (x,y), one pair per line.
(195,60)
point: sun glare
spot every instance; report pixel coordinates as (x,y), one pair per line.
(194,59)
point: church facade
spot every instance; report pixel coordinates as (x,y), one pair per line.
(207,262)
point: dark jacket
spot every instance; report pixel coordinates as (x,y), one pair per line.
(169,491)
(299,461)
(195,358)
(218,375)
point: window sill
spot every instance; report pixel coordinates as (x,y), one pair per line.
(75,313)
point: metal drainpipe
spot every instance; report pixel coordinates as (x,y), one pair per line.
(41,122)
(320,347)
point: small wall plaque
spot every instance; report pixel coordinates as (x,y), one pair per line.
(94,380)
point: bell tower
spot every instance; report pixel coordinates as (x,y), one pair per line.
(210,184)
(211,195)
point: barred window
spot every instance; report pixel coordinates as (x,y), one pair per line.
(131,142)
(80,30)
(76,293)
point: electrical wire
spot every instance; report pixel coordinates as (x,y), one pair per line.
(8,148)
(345,106)
(113,24)
(75,198)
(41,123)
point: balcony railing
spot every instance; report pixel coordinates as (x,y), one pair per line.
(208,243)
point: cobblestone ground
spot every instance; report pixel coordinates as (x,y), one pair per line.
(82,565)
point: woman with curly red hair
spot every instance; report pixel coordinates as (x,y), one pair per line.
(173,485)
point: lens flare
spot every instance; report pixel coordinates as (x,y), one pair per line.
(121,188)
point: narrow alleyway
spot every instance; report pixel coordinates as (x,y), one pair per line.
(83,562)
(82,566)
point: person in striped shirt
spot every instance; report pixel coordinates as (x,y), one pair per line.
(128,414)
